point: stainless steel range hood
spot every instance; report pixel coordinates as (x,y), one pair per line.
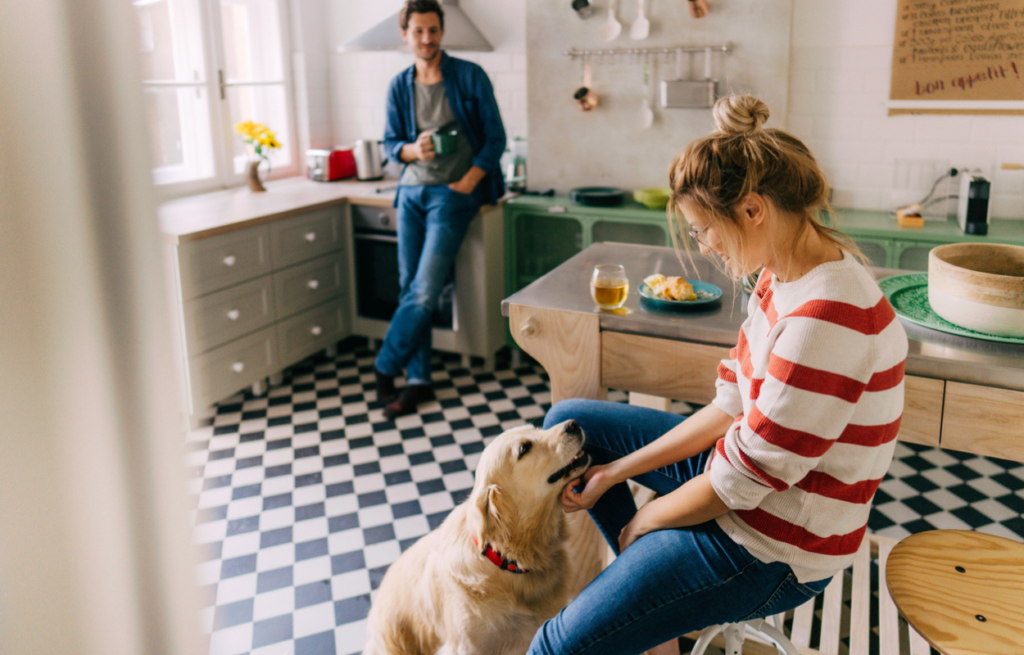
(459,34)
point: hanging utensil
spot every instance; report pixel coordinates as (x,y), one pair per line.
(646,113)
(690,94)
(641,26)
(611,28)
(585,96)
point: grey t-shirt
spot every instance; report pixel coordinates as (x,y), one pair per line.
(433,113)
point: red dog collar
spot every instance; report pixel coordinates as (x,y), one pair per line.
(498,560)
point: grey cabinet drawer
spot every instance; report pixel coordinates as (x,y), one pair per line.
(221,261)
(223,371)
(225,315)
(306,285)
(299,238)
(310,331)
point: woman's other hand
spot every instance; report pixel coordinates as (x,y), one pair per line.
(637,527)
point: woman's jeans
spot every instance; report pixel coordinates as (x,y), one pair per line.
(432,221)
(668,582)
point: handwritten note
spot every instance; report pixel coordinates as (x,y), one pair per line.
(958,50)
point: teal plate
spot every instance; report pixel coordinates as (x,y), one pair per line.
(908,295)
(707,293)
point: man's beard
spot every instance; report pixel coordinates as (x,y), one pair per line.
(434,53)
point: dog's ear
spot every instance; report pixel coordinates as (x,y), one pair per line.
(492,515)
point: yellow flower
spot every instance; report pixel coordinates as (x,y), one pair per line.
(245,128)
(257,134)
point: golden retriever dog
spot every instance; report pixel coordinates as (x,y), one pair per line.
(485,580)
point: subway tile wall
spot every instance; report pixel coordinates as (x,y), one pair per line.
(360,82)
(837,106)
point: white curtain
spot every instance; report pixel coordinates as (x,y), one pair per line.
(95,555)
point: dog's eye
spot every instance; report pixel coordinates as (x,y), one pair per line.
(524,448)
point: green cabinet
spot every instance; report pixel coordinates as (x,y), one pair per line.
(541,233)
(888,245)
(879,251)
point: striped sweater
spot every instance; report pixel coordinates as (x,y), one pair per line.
(815,384)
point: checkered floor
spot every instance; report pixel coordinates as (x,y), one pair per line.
(306,495)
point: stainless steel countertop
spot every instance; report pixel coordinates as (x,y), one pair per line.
(931,354)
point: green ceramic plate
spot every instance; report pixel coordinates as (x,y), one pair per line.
(707,293)
(908,295)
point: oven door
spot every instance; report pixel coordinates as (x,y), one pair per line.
(377,286)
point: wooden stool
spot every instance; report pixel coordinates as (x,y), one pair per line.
(963,591)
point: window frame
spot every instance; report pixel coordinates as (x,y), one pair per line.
(216,86)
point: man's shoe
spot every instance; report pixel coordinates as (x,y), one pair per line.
(385,386)
(408,400)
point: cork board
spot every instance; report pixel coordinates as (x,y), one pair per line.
(969,50)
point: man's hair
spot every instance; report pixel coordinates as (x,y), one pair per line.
(419,7)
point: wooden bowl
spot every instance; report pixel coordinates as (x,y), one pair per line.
(978,286)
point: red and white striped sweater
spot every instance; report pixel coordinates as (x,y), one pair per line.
(816,385)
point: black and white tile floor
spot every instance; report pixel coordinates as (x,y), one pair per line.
(304,496)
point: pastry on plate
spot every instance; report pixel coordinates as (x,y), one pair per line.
(670,288)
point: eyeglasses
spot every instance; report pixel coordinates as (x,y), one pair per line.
(697,235)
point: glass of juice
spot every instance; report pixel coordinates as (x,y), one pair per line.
(609,286)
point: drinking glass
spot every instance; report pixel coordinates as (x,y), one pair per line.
(609,286)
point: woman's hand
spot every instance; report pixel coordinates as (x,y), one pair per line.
(637,527)
(595,481)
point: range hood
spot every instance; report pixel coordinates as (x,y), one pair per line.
(459,34)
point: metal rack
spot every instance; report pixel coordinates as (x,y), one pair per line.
(586,53)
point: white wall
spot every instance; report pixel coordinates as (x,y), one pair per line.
(569,148)
(359,80)
(839,84)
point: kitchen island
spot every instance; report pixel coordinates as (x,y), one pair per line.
(960,393)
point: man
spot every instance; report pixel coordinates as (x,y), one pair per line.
(438,195)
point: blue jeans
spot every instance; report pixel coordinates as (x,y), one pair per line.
(668,582)
(432,221)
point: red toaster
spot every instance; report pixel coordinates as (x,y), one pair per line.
(329,165)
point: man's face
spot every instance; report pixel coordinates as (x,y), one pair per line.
(424,35)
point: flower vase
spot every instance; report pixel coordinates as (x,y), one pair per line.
(252,176)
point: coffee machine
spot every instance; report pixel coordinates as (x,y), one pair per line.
(974,207)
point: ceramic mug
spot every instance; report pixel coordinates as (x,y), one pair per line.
(445,141)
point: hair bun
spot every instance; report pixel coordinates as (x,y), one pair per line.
(740,115)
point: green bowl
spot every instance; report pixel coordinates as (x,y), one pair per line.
(653,198)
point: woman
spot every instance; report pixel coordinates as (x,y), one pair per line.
(765,493)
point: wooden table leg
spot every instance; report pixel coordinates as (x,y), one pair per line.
(567,345)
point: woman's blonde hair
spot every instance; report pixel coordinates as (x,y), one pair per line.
(717,171)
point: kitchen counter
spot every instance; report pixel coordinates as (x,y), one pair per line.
(932,353)
(968,392)
(210,214)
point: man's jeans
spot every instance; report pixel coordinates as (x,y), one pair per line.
(432,221)
(668,582)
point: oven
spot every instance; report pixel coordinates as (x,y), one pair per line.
(375,240)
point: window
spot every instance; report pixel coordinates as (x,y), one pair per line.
(206,65)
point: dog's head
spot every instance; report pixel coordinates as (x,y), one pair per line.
(515,499)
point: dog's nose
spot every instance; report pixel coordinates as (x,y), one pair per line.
(572,427)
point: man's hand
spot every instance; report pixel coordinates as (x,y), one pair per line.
(698,8)
(421,148)
(468,181)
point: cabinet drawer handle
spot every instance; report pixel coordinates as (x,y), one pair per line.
(311,236)
(313,284)
(229,260)
(530,327)
(238,367)
(316,330)
(233,315)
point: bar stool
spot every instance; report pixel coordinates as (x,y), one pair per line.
(962,591)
